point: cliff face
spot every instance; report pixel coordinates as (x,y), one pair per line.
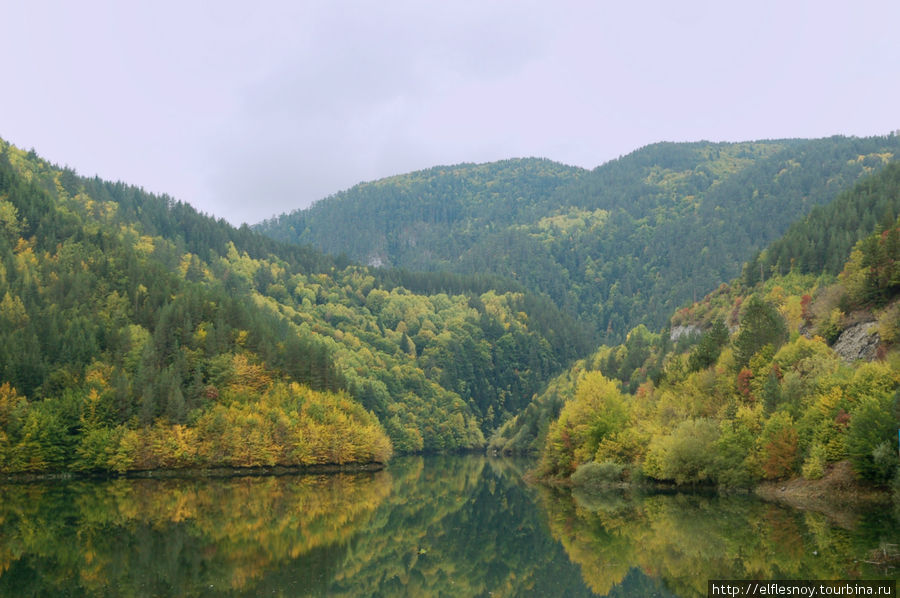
(686,331)
(860,341)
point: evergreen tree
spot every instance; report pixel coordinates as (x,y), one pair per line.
(761,325)
(710,346)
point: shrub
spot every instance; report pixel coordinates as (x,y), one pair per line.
(831,327)
(688,455)
(594,475)
(733,455)
(889,324)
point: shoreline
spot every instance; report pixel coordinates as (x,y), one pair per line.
(836,495)
(195,473)
(833,494)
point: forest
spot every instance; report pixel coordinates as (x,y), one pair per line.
(762,390)
(139,334)
(522,306)
(621,245)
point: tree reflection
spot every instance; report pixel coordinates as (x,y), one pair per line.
(435,526)
(685,540)
(177,537)
(459,527)
(451,526)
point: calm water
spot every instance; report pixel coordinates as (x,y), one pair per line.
(438,526)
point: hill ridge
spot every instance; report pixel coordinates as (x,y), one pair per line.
(622,244)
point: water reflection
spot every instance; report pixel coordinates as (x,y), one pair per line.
(177,537)
(459,527)
(442,526)
(439,526)
(683,540)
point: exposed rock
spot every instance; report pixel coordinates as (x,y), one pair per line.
(680,331)
(860,341)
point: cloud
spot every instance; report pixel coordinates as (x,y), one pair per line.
(246,110)
(361,96)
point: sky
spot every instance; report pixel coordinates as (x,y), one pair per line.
(247,110)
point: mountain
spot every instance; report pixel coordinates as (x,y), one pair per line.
(822,241)
(644,356)
(772,384)
(137,333)
(621,245)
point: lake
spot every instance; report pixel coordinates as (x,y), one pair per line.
(425,526)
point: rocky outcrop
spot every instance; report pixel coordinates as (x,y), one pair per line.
(688,331)
(860,341)
(376,261)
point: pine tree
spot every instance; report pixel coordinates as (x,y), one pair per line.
(761,325)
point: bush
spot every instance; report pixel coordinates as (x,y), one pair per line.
(733,464)
(884,460)
(831,327)
(895,486)
(688,455)
(594,475)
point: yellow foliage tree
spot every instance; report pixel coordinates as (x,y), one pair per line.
(598,411)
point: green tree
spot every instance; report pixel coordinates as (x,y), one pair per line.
(688,454)
(761,325)
(710,346)
(873,423)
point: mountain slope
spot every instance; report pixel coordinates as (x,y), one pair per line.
(117,352)
(822,241)
(404,220)
(136,333)
(759,393)
(620,245)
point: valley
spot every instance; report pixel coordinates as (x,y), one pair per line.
(527,302)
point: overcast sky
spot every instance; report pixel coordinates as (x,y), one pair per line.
(250,109)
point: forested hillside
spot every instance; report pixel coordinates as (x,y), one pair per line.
(822,241)
(618,246)
(768,388)
(136,333)
(833,229)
